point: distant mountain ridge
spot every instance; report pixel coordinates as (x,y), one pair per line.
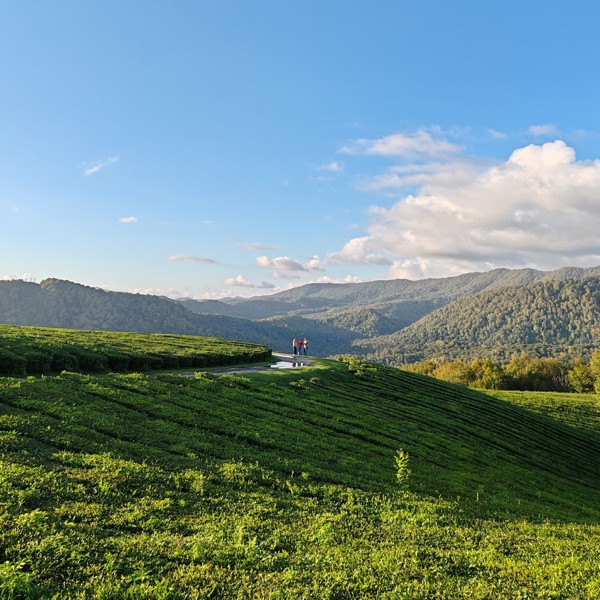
(315,297)
(368,319)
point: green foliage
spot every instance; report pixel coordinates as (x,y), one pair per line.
(581,378)
(543,319)
(130,486)
(360,368)
(595,369)
(580,411)
(522,372)
(402,468)
(17,582)
(35,350)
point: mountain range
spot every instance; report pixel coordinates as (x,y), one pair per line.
(393,321)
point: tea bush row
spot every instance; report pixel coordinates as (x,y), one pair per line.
(29,350)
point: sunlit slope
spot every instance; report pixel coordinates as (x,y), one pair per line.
(44,350)
(333,423)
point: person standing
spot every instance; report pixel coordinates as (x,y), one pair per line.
(300,346)
(305,346)
(294,346)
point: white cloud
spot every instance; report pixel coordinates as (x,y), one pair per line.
(241,281)
(360,251)
(543,130)
(168,292)
(285,275)
(413,144)
(449,173)
(257,246)
(24,277)
(100,165)
(332,167)
(128,220)
(497,135)
(314,264)
(190,258)
(540,208)
(281,263)
(348,279)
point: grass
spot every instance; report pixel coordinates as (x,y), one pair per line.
(581,411)
(339,480)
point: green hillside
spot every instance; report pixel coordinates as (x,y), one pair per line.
(290,484)
(39,350)
(543,318)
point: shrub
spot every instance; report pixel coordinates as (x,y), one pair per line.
(402,469)
(11,364)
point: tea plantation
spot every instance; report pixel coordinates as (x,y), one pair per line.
(339,480)
(35,350)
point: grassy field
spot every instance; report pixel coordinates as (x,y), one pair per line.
(582,411)
(42,350)
(291,484)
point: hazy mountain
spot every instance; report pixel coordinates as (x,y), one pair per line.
(400,299)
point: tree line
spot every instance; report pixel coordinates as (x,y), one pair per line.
(521,372)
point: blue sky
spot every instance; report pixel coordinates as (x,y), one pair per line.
(212,149)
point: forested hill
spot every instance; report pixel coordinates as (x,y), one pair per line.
(541,318)
(58,303)
(400,299)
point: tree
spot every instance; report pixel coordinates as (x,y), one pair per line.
(487,374)
(581,378)
(455,372)
(595,369)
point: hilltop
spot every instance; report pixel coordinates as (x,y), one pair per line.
(343,479)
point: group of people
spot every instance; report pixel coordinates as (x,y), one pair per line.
(300,346)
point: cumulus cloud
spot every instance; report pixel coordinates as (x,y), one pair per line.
(413,144)
(99,165)
(315,264)
(360,251)
(539,208)
(448,173)
(241,281)
(281,263)
(128,220)
(190,258)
